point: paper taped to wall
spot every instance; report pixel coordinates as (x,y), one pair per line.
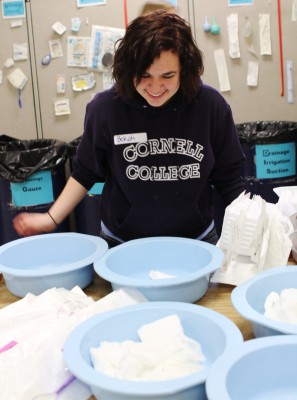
(222,70)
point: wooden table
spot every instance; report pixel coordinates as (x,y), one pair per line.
(217,298)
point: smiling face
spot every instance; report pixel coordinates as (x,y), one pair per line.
(161,80)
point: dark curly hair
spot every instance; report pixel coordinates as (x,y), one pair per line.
(145,39)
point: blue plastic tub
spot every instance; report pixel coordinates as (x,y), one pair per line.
(37,263)
(190,261)
(258,369)
(216,334)
(249,298)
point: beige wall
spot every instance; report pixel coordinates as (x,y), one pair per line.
(250,103)
(36,117)
(15,121)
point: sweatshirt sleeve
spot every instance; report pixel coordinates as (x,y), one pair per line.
(226,175)
(232,185)
(88,166)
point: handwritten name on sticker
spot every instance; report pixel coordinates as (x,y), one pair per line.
(130,138)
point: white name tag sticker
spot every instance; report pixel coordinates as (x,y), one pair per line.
(130,138)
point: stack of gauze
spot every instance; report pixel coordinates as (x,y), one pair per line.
(163,352)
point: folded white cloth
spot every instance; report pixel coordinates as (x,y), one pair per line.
(282,306)
(154,274)
(164,352)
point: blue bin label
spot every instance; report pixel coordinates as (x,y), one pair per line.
(96,189)
(37,189)
(275,160)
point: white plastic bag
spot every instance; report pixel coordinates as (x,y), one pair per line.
(35,365)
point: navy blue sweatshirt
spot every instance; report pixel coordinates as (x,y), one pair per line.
(159,163)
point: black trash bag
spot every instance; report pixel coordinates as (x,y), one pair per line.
(267,131)
(72,146)
(20,159)
(4,139)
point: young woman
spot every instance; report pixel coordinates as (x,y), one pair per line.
(160,139)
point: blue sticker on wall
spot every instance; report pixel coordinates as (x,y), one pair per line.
(275,160)
(37,189)
(13,9)
(83,3)
(240,2)
(96,189)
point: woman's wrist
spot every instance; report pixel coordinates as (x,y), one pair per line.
(53,219)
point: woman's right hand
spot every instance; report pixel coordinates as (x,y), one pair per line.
(29,224)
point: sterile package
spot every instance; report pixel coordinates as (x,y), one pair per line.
(33,332)
(255,236)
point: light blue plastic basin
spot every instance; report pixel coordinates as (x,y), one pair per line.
(216,334)
(37,263)
(248,299)
(259,369)
(190,261)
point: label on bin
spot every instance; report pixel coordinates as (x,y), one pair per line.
(275,160)
(96,189)
(37,189)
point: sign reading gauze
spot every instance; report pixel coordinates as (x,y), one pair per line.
(37,189)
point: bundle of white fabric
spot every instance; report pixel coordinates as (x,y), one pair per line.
(164,352)
(282,306)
